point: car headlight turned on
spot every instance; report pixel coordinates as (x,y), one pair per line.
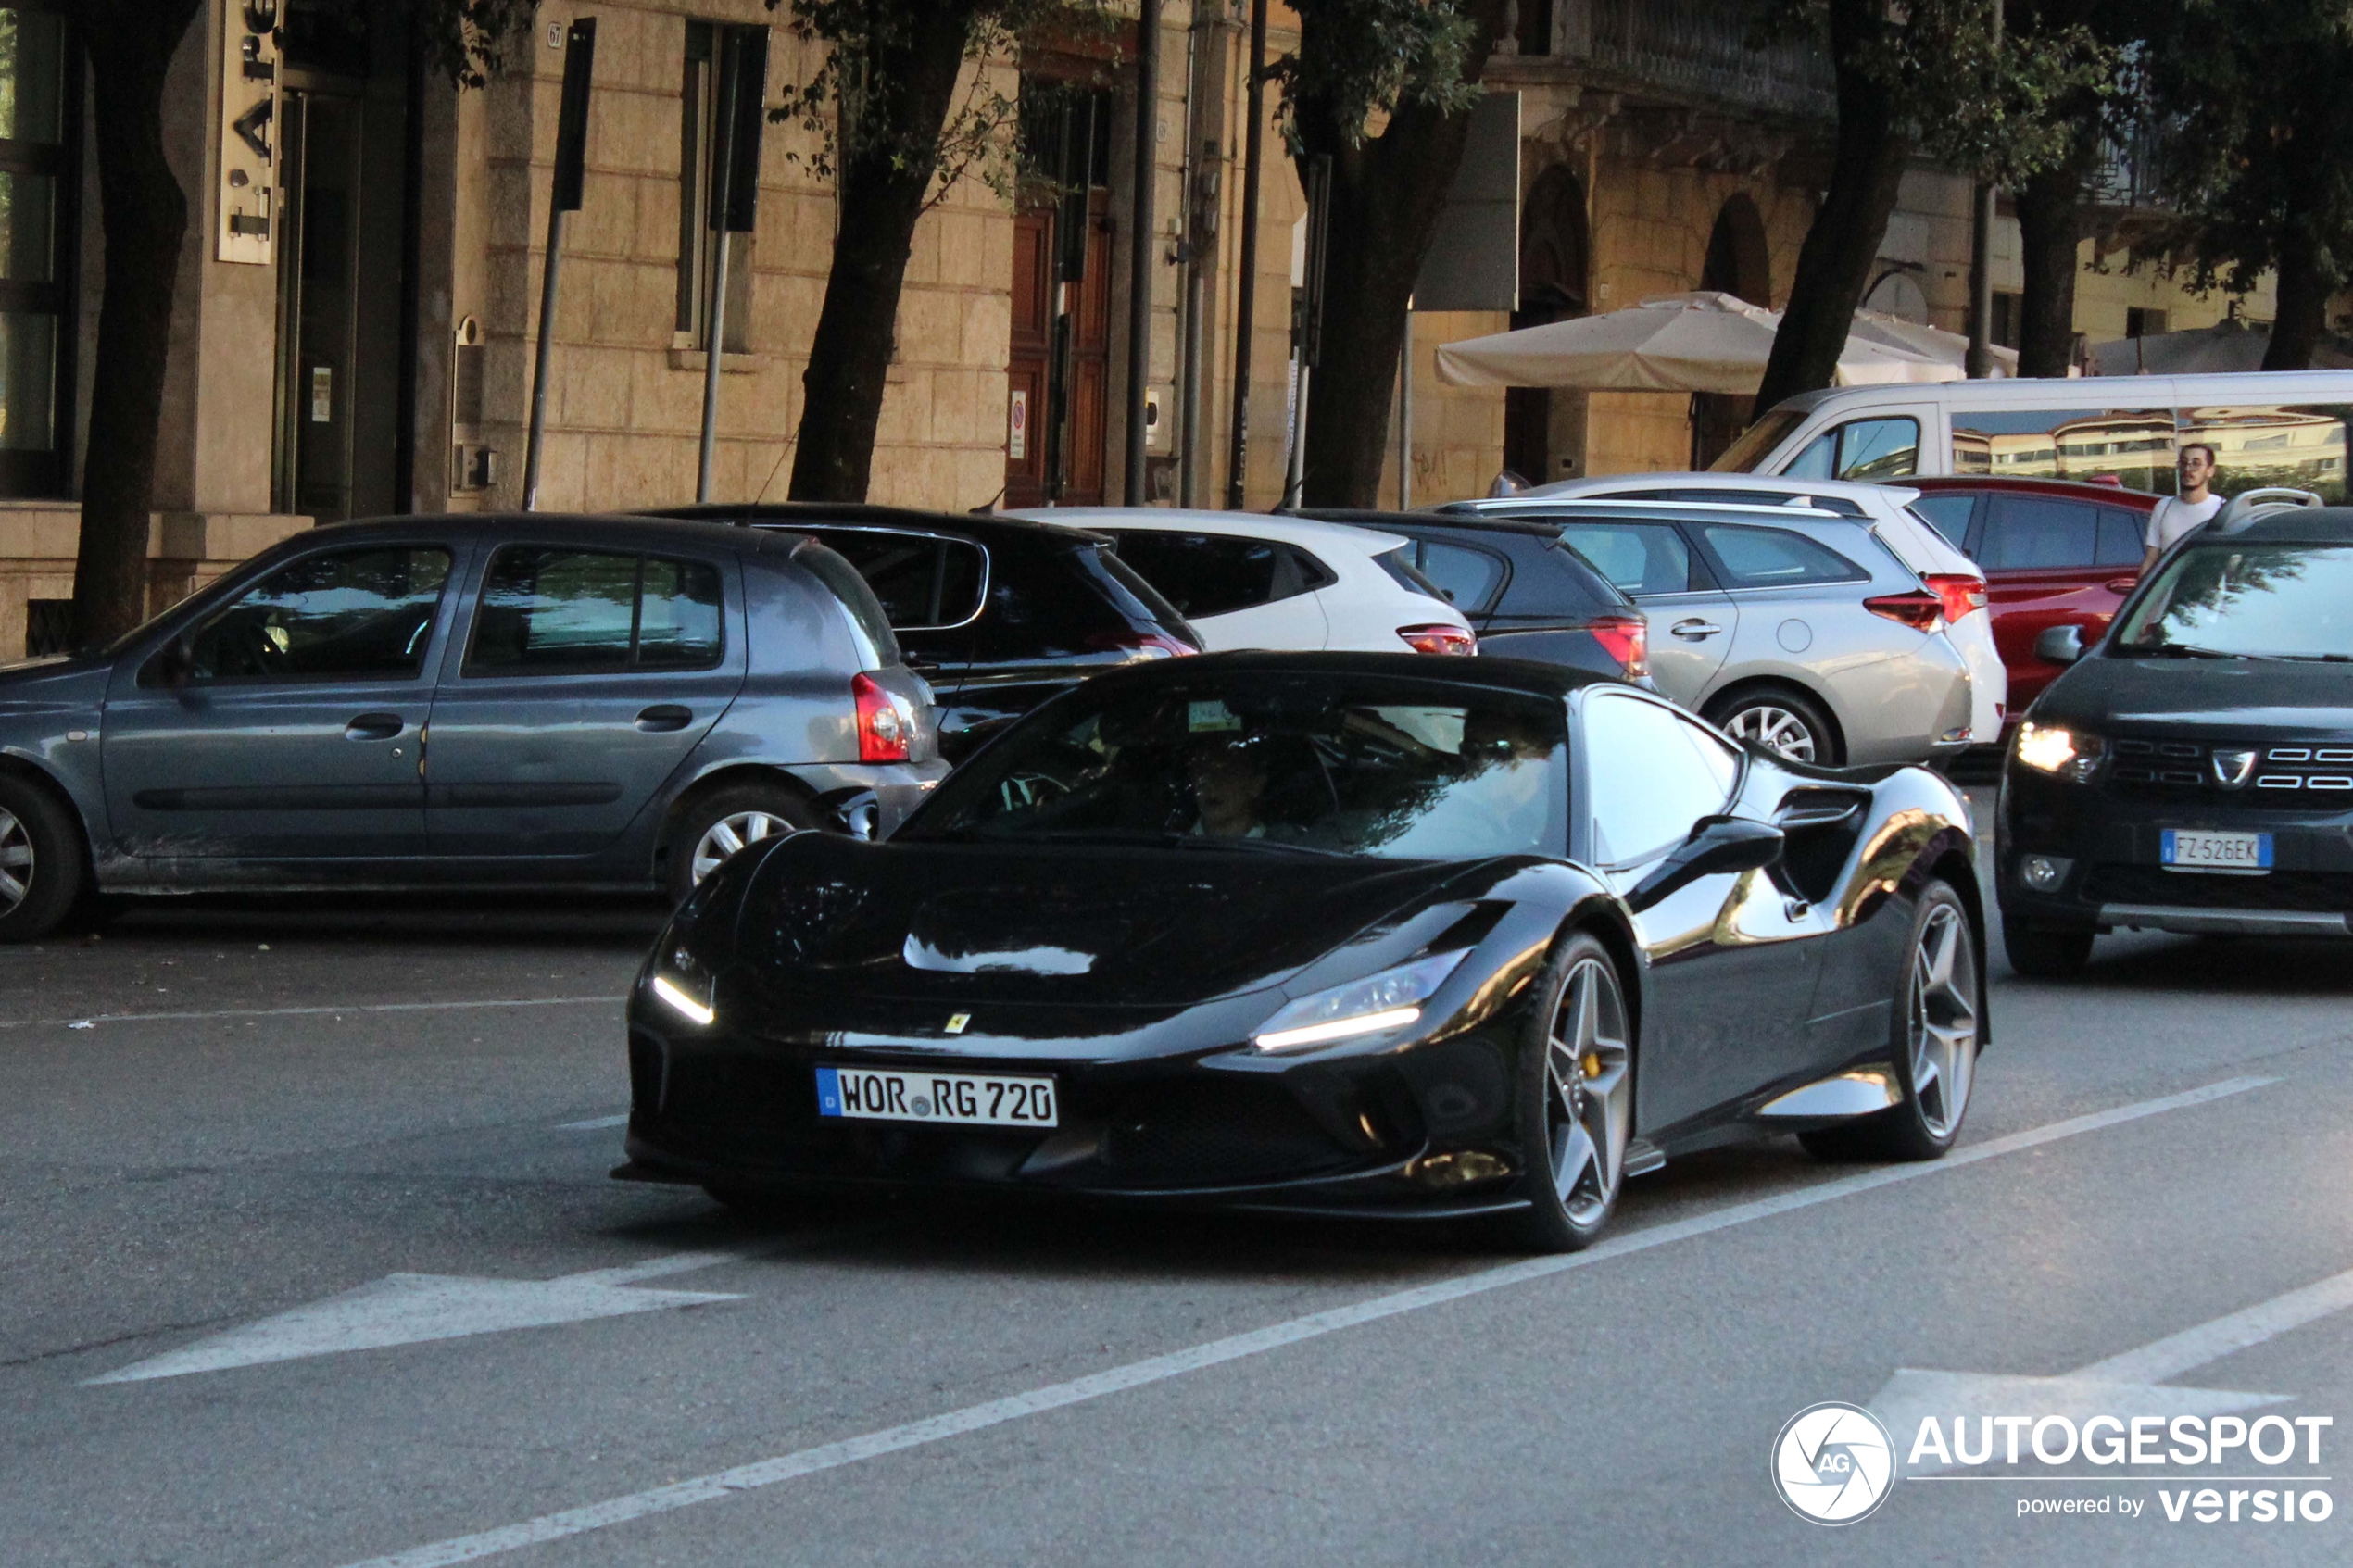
(2067,754)
(1391,999)
(685,987)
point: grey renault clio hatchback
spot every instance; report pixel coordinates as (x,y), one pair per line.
(496,701)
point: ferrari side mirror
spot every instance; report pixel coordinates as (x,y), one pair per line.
(1717,846)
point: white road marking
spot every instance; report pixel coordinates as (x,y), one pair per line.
(311,1012)
(1155,1369)
(411,1308)
(2123,1385)
(593,1123)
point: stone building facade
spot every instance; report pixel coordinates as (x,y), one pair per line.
(358,314)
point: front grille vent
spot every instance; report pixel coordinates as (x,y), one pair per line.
(2319,777)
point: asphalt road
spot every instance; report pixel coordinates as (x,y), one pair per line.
(273,1108)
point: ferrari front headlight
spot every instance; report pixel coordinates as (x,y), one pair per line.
(2067,754)
(1391,999)
(681,981)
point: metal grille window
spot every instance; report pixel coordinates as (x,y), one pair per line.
(38,226)
(698,202)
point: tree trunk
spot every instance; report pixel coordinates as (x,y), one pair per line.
(1386,194)
(146,218)
(2050,227)
(2304,291)
(1834,264)
(883,180)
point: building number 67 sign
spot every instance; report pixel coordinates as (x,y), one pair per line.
(248,143)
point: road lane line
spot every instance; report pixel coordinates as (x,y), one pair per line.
(2171,1357)
(593,1123)
(311,1012)
(1155,1369)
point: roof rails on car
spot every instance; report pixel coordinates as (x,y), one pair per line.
(2248,505)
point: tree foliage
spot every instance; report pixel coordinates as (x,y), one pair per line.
(2254,151)
(465,40)
(1357,59)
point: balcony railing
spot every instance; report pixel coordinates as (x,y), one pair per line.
(1697,49)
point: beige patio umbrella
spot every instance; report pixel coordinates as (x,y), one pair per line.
(1932,343)
(1698,342)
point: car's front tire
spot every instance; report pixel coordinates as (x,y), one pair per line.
(727,821)
(1935,1038)
(1576,1098)
(2045,955)
(44,866)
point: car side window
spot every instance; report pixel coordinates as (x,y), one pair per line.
(1879,449)
(1639,558)
(2122,532)
(551,611)
(1466,577)
(349,614)
(924,582)
(1652,773)
(1774,557)
(1948,513)
(2038,532)
(1216,573)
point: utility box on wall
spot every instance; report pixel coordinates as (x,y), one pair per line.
(472,466)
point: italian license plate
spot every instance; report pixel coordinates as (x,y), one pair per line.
(2216,851)
(960,1099)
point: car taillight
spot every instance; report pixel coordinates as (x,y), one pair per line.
(886,725)
(1625,638)
(1919,610)
(1959,592)
(1144,645)
(1438,639)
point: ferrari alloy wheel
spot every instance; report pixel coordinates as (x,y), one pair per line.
(1581,1110)
(1782,722)
(726,823)
(1936,1041)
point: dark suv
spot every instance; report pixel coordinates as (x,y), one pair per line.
(996,613)
(2194,770)
(461,701)
(1525,594)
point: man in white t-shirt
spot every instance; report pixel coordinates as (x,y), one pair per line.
(2177,515)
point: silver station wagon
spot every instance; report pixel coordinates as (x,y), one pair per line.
(1794,627)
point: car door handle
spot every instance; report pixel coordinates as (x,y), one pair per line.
(373,726)
(2121,585)
(1695,630)
(664,717)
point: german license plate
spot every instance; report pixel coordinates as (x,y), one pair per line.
(2189,851)
(960,1099)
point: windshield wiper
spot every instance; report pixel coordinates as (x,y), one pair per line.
(2179,650)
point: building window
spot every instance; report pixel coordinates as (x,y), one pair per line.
(2007,310)
(2144,323)
(39,232)
(698,207)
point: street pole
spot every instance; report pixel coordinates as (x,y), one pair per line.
(1201,240)
(1405,415)
(714,335)
(1979,361)
(1143,242)
(1246,306)
(571,147)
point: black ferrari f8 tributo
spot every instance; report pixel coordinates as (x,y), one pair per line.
(1348,933)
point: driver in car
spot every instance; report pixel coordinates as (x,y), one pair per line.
(1228,774)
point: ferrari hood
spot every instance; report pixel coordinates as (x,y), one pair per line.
(1060,925)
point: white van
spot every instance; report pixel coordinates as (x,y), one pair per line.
(2272,427)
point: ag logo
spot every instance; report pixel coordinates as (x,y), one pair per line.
(1833,1463)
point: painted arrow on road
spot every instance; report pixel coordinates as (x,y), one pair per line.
(2123,1385)
(411,1308)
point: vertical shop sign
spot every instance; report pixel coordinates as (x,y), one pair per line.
(248,142)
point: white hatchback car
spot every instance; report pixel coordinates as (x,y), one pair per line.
(1937,560)
(1246,580)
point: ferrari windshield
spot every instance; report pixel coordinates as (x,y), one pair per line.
(2246,600)
(1303,763)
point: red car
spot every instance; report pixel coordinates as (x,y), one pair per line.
(2054,551)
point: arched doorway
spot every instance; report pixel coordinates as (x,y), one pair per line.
(1737,264)
(1551,288)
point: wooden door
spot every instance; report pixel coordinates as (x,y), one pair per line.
(1027,371)
(1058,368)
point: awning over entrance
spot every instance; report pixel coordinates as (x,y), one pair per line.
(1698,342)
